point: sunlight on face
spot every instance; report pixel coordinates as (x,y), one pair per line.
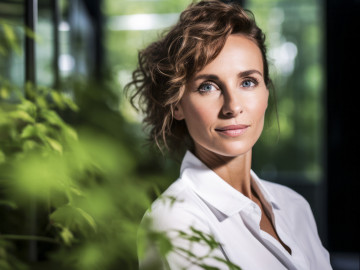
(224,104)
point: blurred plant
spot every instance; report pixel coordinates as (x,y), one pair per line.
(93,201)
(84,180)
(9,40)
(162,244)
(72,196)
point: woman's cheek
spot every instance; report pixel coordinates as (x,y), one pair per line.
(201,109)
(258,105)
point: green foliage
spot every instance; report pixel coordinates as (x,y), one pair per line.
(10,37)
(90,196)
(9,40)
(162,244)
(84,182)
(7,260)
(196,236)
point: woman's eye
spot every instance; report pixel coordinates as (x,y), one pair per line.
(248,83)
(207,87)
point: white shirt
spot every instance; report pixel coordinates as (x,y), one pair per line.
(208,204)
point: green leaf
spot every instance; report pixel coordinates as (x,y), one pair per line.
(207,238)
(67,236)
(28,131)
(31,34)
(88,218)
(2,157)
(41,129)
(54,144)
(164,244)
(208,267)
(41,102)
(27,106)
(21,115)
(231,265)
(9,33)
(77,191)
(69,132)
(10,36)
(71,104)
(30,90)
(142,242)
(37,130)
(4,92)
(73,217)
(52,117)
(30,145)
(8,203)
(57,98)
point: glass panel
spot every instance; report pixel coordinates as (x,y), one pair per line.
(45,45)
(66,59)
(294,38)
(131,25)
(12,42)
(76,42)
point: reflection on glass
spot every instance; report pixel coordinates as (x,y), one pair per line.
(66,63)
(141,21)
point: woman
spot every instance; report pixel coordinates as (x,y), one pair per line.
(205,86)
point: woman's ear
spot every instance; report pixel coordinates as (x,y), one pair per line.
(178,112)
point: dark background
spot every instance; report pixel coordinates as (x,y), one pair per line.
(342,64)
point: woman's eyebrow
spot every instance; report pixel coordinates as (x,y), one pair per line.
(216,78)
(249,72)
(207,77)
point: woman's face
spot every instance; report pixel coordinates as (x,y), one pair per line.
(224,104)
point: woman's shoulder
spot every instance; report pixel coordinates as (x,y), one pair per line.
(177,208)
(285,195)
(179,213)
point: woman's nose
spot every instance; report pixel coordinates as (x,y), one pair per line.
(232,105)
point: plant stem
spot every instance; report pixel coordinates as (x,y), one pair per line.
(28,237)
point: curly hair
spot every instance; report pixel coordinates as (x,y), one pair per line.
(165,66)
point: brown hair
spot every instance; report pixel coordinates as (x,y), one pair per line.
(166,65)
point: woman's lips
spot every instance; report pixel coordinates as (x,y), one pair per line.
(232,130)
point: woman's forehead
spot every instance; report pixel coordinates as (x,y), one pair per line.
(238,54)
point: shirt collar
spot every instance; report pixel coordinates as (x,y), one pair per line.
(263,191)
(214,190)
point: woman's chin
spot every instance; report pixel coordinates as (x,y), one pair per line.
(226,150)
